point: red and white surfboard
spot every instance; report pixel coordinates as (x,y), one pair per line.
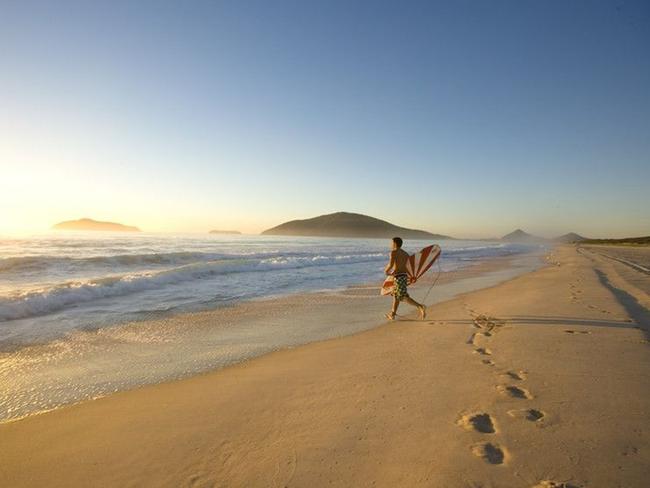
(416,266)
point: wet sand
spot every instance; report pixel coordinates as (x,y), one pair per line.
(538,381)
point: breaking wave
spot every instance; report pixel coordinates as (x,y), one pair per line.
(61,295)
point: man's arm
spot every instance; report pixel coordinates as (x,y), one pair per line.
(391,263)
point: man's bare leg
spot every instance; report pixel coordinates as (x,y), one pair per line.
(391,315)
(421,308)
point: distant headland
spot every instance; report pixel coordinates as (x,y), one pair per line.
(519,236)
(225,232)
(570,238)
(90,224)
(346,224)
(640,241)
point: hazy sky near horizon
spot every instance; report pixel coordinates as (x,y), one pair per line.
(466,118)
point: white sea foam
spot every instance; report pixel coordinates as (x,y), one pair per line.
(52,298)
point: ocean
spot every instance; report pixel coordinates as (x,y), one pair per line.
(84,315)
(52,284)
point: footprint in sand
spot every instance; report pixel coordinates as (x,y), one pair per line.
(568,331)
(491,453)
(516,375)
(469,310)
(528,413)
(555,484)
(489,362)
(630,451)
(488,324)
(479,422)
(484,351)
(515,392)
(199,481)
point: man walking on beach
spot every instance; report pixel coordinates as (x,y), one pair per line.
(397,267)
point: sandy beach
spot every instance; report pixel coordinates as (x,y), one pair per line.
(541,381)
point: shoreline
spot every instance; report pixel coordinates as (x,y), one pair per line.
(537,395)
(96,364)
(47,293)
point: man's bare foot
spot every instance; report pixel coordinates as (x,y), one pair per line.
(390,315)
(423,312)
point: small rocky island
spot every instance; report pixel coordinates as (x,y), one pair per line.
(90,224)
(346,224)
(225,232)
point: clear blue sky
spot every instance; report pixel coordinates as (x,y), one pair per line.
(465,118)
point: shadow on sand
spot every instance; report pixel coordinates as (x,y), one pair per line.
(546,320)
(638,312)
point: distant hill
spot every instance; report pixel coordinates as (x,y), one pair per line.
(521,236)
(570,238)
(232,232)
(644,241)
(345,224)
(90,224)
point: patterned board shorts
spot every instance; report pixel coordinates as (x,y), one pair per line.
(400,290)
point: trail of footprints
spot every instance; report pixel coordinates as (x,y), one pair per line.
(492,451)
(575,295)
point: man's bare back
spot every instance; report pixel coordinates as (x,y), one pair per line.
(399,258)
